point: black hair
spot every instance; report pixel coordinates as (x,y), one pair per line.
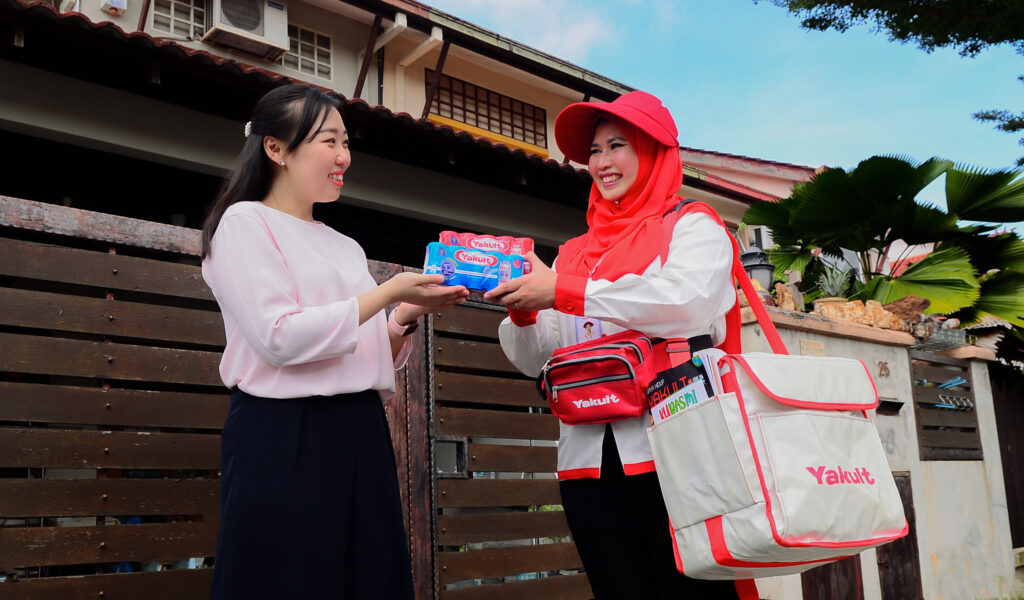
(289,112)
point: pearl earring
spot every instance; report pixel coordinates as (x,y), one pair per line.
(282,163)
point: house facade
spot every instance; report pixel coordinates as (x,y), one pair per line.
(141,104)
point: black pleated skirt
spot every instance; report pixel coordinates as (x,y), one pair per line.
(309,502)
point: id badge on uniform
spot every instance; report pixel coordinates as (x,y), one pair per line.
(587,329)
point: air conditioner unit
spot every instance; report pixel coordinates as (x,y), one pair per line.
(258,27)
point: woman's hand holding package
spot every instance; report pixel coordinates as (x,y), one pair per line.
(532,292)
(424,292)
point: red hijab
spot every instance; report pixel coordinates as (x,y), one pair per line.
(625,238)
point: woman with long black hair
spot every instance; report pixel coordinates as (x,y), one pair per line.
(309,498)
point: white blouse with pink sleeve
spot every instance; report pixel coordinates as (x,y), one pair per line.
(287,290)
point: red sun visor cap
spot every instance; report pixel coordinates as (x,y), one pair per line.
(574,127)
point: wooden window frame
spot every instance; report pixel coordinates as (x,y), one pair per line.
(488,111)
(293,54)
(196,23)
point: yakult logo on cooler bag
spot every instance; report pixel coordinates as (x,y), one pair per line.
(489,244)
(840,475)
(592,402)
(475,258)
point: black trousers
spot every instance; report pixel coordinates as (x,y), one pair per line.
(621,530)
(310,507)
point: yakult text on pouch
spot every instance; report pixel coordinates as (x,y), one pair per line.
(609,399)
(840,475)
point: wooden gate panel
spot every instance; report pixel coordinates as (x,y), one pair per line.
(28,448)
(107,497)
(496,562)
(110,409)
(460,422)
(61,312)
(161,585)
(459,388)
(564,587)
(468,354)
(497,492)
(40,355)
(840,580)
(1006,397)
(47,546)
(46,403)
(500,530)
(899,568)
(515,459)
(102,270)
(455,530)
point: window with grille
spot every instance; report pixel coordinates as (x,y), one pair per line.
(473,105)
(309,52)
(184,18)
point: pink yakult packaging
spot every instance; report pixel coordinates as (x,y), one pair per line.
(505,244)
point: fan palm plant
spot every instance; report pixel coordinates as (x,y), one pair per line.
(971,270)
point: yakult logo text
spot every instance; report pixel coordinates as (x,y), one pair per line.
(489,244)
(475,258)
(592,402)
(840,475)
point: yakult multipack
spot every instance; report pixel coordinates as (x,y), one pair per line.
(479,262)
(488,243)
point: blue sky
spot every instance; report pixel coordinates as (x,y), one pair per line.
(744,78)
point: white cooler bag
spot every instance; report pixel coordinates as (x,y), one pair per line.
(781,473)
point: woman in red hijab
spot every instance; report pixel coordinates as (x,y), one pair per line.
(608,280)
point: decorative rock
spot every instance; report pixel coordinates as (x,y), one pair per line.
(786,297)
(845,311)
(880,317)
(908,309)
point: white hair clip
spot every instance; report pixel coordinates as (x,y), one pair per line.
(248,128)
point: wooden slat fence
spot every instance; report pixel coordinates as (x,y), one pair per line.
(947,422)
(500,529)
(111,407)
(110,411)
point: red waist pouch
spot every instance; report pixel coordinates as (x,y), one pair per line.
(599,381)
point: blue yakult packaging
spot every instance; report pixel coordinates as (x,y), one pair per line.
(476,269)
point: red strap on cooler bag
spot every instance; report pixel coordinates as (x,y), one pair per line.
(733,320)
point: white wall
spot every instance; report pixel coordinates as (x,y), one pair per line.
(348,37)
(963,537)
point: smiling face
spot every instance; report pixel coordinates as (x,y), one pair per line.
(316,167)
(613,161)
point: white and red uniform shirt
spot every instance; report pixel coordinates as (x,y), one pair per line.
(687,296)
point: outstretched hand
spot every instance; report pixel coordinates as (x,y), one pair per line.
(426,291)
(532,292)
(419,294)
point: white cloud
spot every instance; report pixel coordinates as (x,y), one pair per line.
(567,29)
